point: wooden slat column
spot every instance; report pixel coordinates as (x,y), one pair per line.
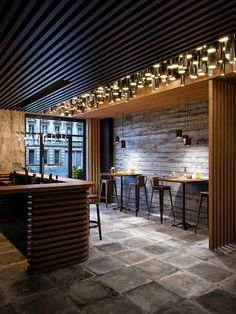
(222,162)
(57,226)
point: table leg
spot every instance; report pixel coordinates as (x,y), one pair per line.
(183,224)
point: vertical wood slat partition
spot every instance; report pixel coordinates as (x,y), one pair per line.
(222,164)
(57,228)
(94,152)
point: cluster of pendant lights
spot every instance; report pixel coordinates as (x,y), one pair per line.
(200,62)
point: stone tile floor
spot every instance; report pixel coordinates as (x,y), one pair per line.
(140,266)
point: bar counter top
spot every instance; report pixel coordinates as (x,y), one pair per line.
(61,184)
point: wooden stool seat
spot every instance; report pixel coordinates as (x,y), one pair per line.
(94,199)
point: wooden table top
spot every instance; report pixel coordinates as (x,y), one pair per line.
(183,180)
(120,174)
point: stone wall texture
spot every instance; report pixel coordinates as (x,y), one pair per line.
(12,151)
(153,150)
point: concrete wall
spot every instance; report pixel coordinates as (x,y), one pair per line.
(153,149)
(12,151)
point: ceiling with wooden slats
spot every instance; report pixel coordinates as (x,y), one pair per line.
(54,50)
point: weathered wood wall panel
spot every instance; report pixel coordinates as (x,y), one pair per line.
(222,144)
(153,149)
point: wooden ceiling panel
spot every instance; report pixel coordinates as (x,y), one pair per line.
(91,43)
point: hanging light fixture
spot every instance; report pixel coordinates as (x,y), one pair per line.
(178,131)
(123,144)
(187,141)
(117,139)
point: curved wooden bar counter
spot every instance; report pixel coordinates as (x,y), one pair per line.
(57,222)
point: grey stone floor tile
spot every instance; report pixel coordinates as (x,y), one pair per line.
(104,265)
(185,284)
(158,236)
(113,305)
(227,261)
(153,298)
(26,287)
(49,303)
(112,247)
(210,272)
(176,243)
(186,307)
(135,242)
(181,260)
(157,249)
(195,238)
(7,309)
(202,252)
(118,234)
(218,301)
(95,253)
(156,269)
(125,279)
(89,291)
(229,284)
(144,233)
(64,277)
(131,257)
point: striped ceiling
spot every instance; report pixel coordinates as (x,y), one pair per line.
(53,50)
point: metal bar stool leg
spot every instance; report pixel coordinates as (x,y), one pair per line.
(199,211)
(137,199)
(146,196)
(99,222)
(128,197)
(172,207)
(114,184)
(161,197)
(150,206)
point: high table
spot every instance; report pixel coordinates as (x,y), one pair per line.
(121,175)
(183,181)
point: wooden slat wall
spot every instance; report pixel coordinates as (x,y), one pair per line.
(94,152)
(222,167)
(57,227)
(153,149)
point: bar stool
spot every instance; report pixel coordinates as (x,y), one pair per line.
(202,196)
(157,187)
(93,199)
(138,184)
(108,183)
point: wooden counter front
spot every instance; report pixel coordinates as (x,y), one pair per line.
(57,222)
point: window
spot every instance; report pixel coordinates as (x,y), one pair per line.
(44,128)
(31,157)
(31,128)
(45,157)
(77,159)
(68,130)
(80,130)
(57,129)
(56,157)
